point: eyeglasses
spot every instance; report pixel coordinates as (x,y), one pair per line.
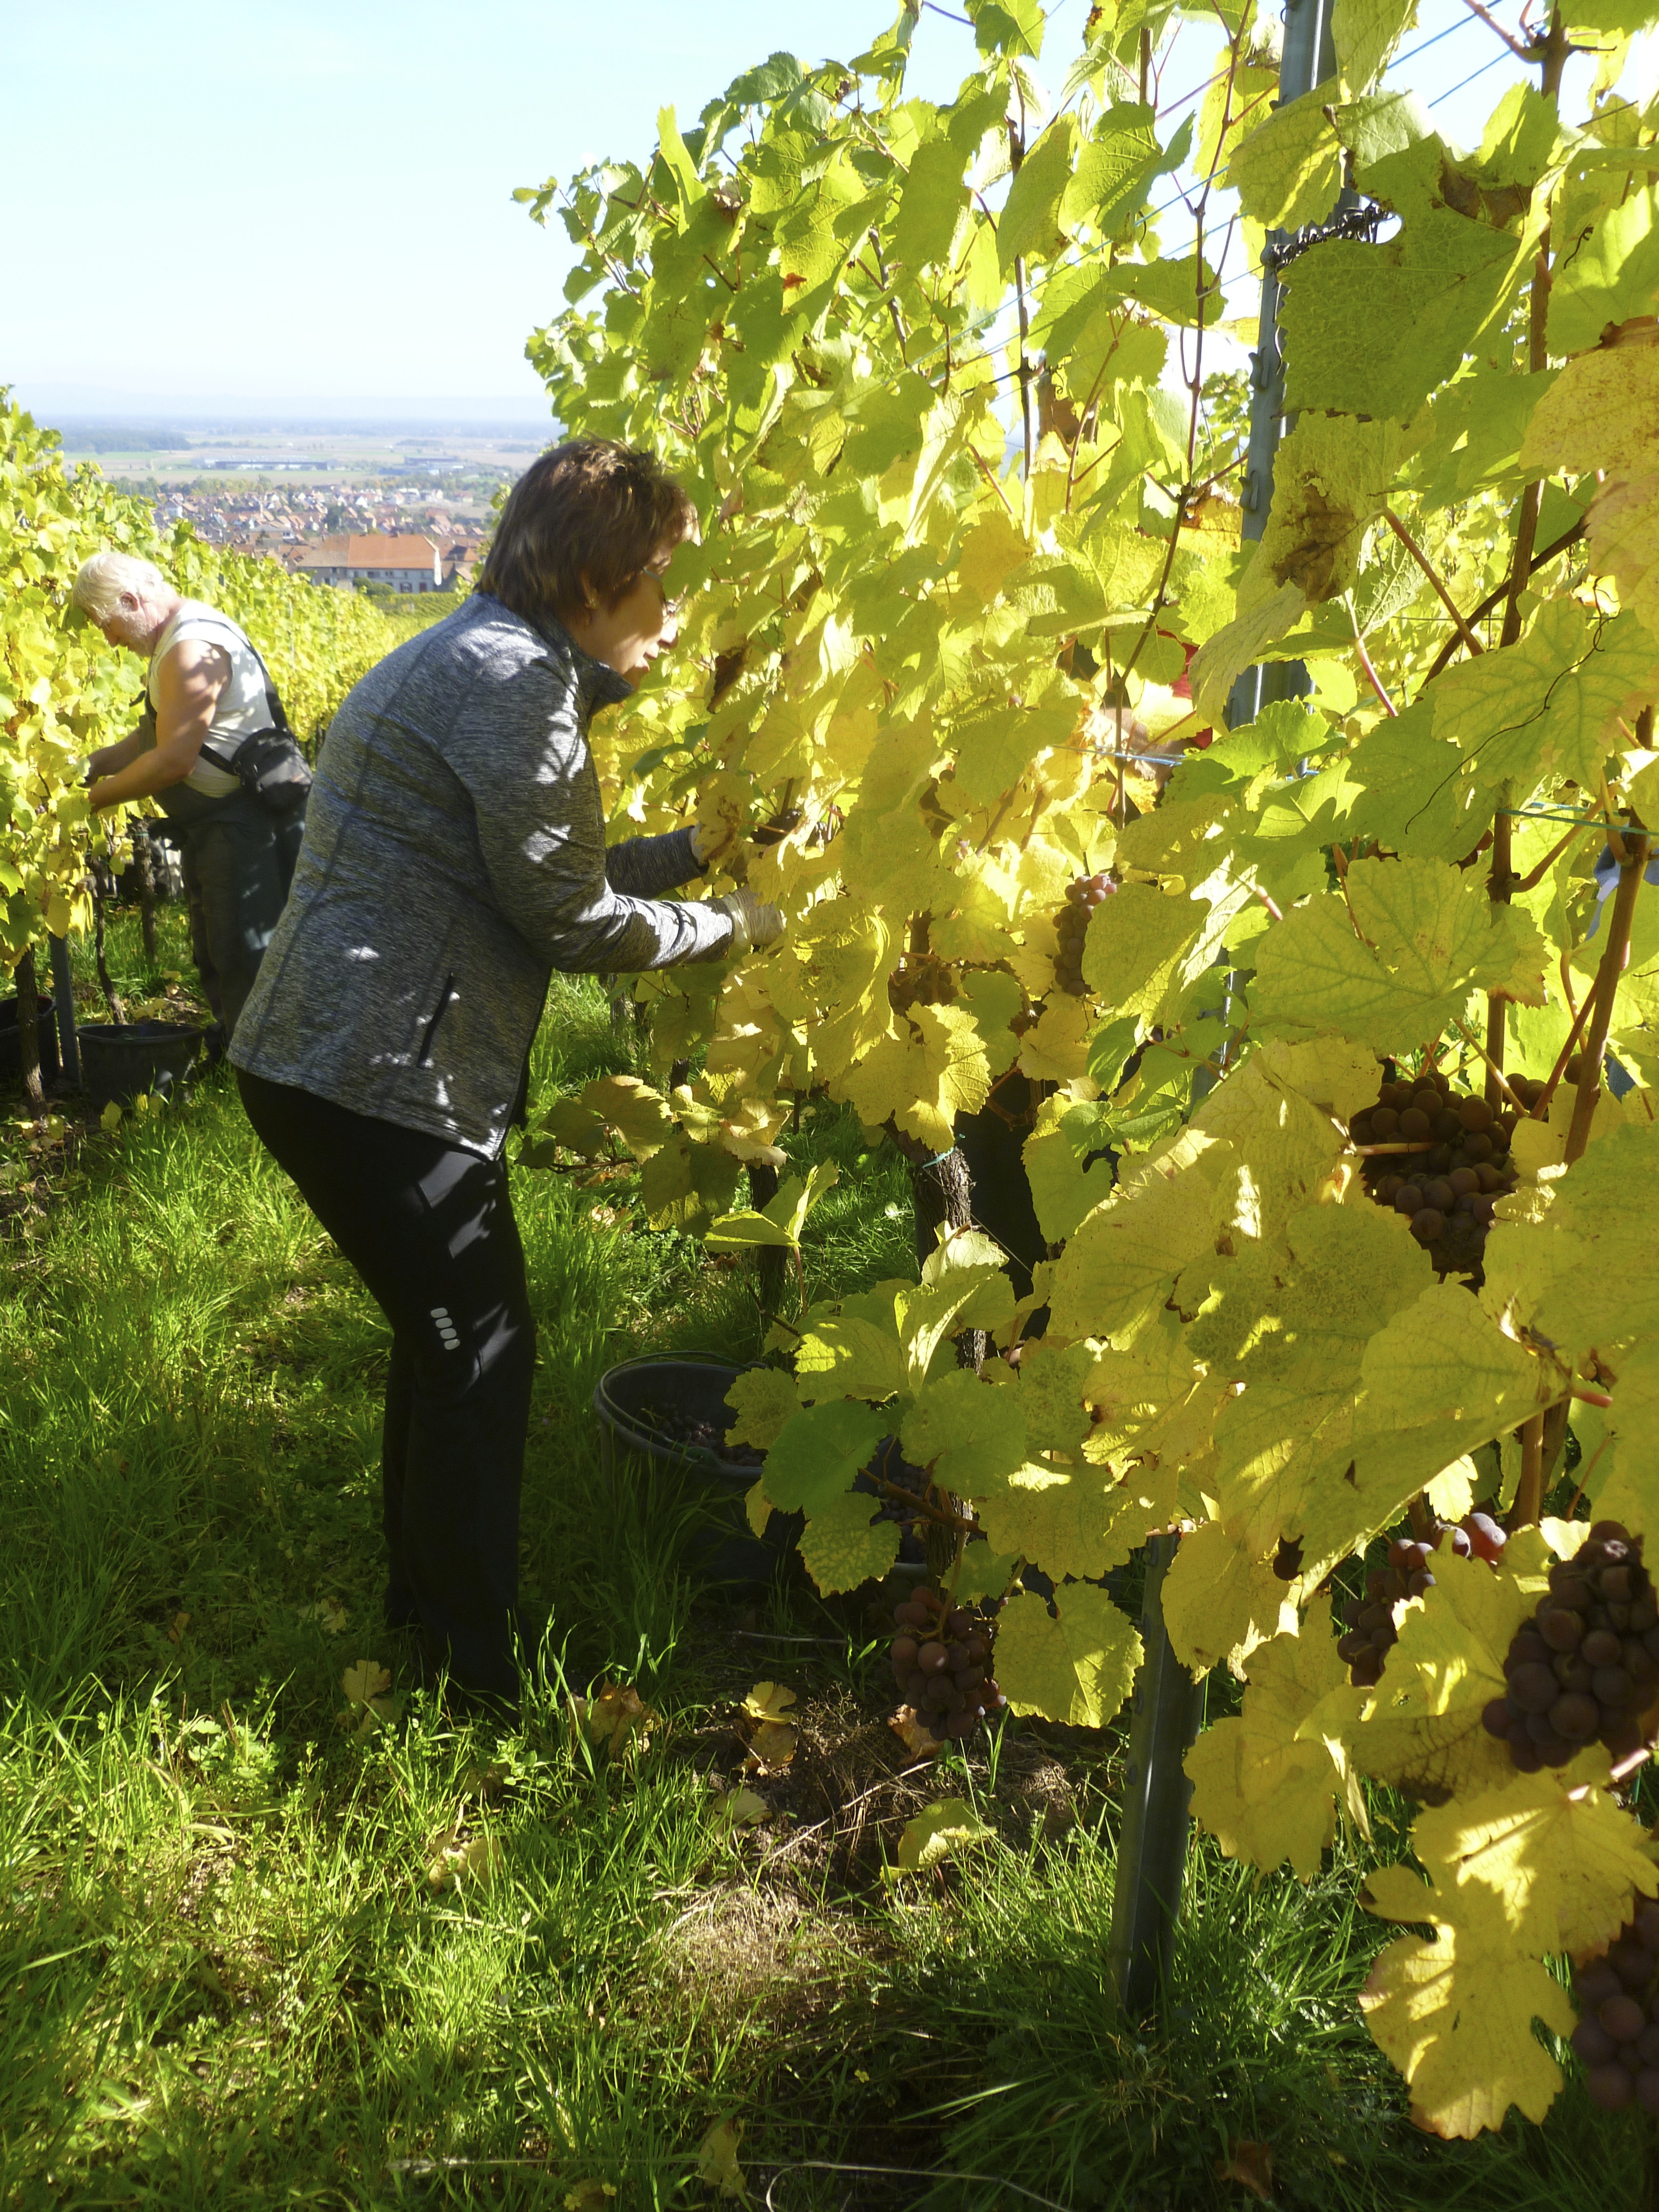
(671,607)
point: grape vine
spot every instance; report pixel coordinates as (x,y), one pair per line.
(1374,1258)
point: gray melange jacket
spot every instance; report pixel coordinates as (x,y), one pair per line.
(453,857)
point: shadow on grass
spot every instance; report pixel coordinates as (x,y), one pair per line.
(228,1975)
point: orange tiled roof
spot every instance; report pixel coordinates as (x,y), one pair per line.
(371,552)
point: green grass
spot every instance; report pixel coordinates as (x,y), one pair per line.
(225,1979)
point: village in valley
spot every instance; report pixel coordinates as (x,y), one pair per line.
(358,506)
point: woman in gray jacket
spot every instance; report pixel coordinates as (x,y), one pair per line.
(455,857)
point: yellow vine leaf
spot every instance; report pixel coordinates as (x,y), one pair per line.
(763,1399)
(1057,1049)
(639,1115)
(1455,2012)
(1265,1791)
(1135,945)
(1121,1266)
(1053,1378)
(1222,1599)
(970,1434)
(924,1079)
(1067,1519)
(1602,412)
(1078,1667)
(1420,1727)
(618,1719)
(851,1347)
(1559,1858)
(767,1701)
(757,1508)
(1578,1271)
(1549,703)
(841,1546)
(740,1807)
(1431,936)
(1331,478)
(1619,1468)
(938,1833)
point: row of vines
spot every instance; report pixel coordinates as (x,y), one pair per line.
(63,692)
(1339,992)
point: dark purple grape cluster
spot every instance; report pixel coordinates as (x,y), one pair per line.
(942,1663)
(1586,1666)
(1369,1620)
(1449,1188)
(1617,2032)
(1071,927)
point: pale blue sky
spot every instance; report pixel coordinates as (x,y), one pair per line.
(312,196)
(310,199)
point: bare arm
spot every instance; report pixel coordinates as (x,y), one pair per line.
(109,758)
(187,687)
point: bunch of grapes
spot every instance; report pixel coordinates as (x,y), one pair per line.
(1450,1190)
(1587,1664)
(1071,927)
(942,1664)
(1371,1632)
(1617,2032)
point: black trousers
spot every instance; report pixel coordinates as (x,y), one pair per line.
(237,859)
(430,1229)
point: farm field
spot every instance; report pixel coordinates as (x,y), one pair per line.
(229,1978)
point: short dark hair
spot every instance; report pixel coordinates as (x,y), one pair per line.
(592,509)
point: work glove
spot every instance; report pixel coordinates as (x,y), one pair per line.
(709,841)
(753,922)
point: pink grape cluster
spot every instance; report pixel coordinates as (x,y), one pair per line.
(942,1663)
(1586,1666)
(1071,927)
(1617,2032)
(1371,1632)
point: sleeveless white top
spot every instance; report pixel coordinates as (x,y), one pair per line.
(241,706)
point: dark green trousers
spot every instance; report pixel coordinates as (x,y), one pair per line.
(237,859)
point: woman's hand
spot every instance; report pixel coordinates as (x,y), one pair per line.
(754,923)
(712,841)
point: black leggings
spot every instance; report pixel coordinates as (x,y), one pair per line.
(430,1229)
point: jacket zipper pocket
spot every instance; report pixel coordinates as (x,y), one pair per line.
(437,1015)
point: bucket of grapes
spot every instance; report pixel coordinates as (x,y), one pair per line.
(673,1411)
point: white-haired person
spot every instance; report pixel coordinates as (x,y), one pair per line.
(207,693)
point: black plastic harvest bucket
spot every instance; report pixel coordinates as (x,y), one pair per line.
(118,1063)
(637,1402)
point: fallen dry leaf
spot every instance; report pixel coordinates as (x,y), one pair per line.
(767,1701)
(771,1747)
(1250,2164)
(589,2197)
(365,1685)
(717,2159)
(938,1833)
(911,1734)
(474,1862)
(741,1806)
(331,1614)
(618,1718)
